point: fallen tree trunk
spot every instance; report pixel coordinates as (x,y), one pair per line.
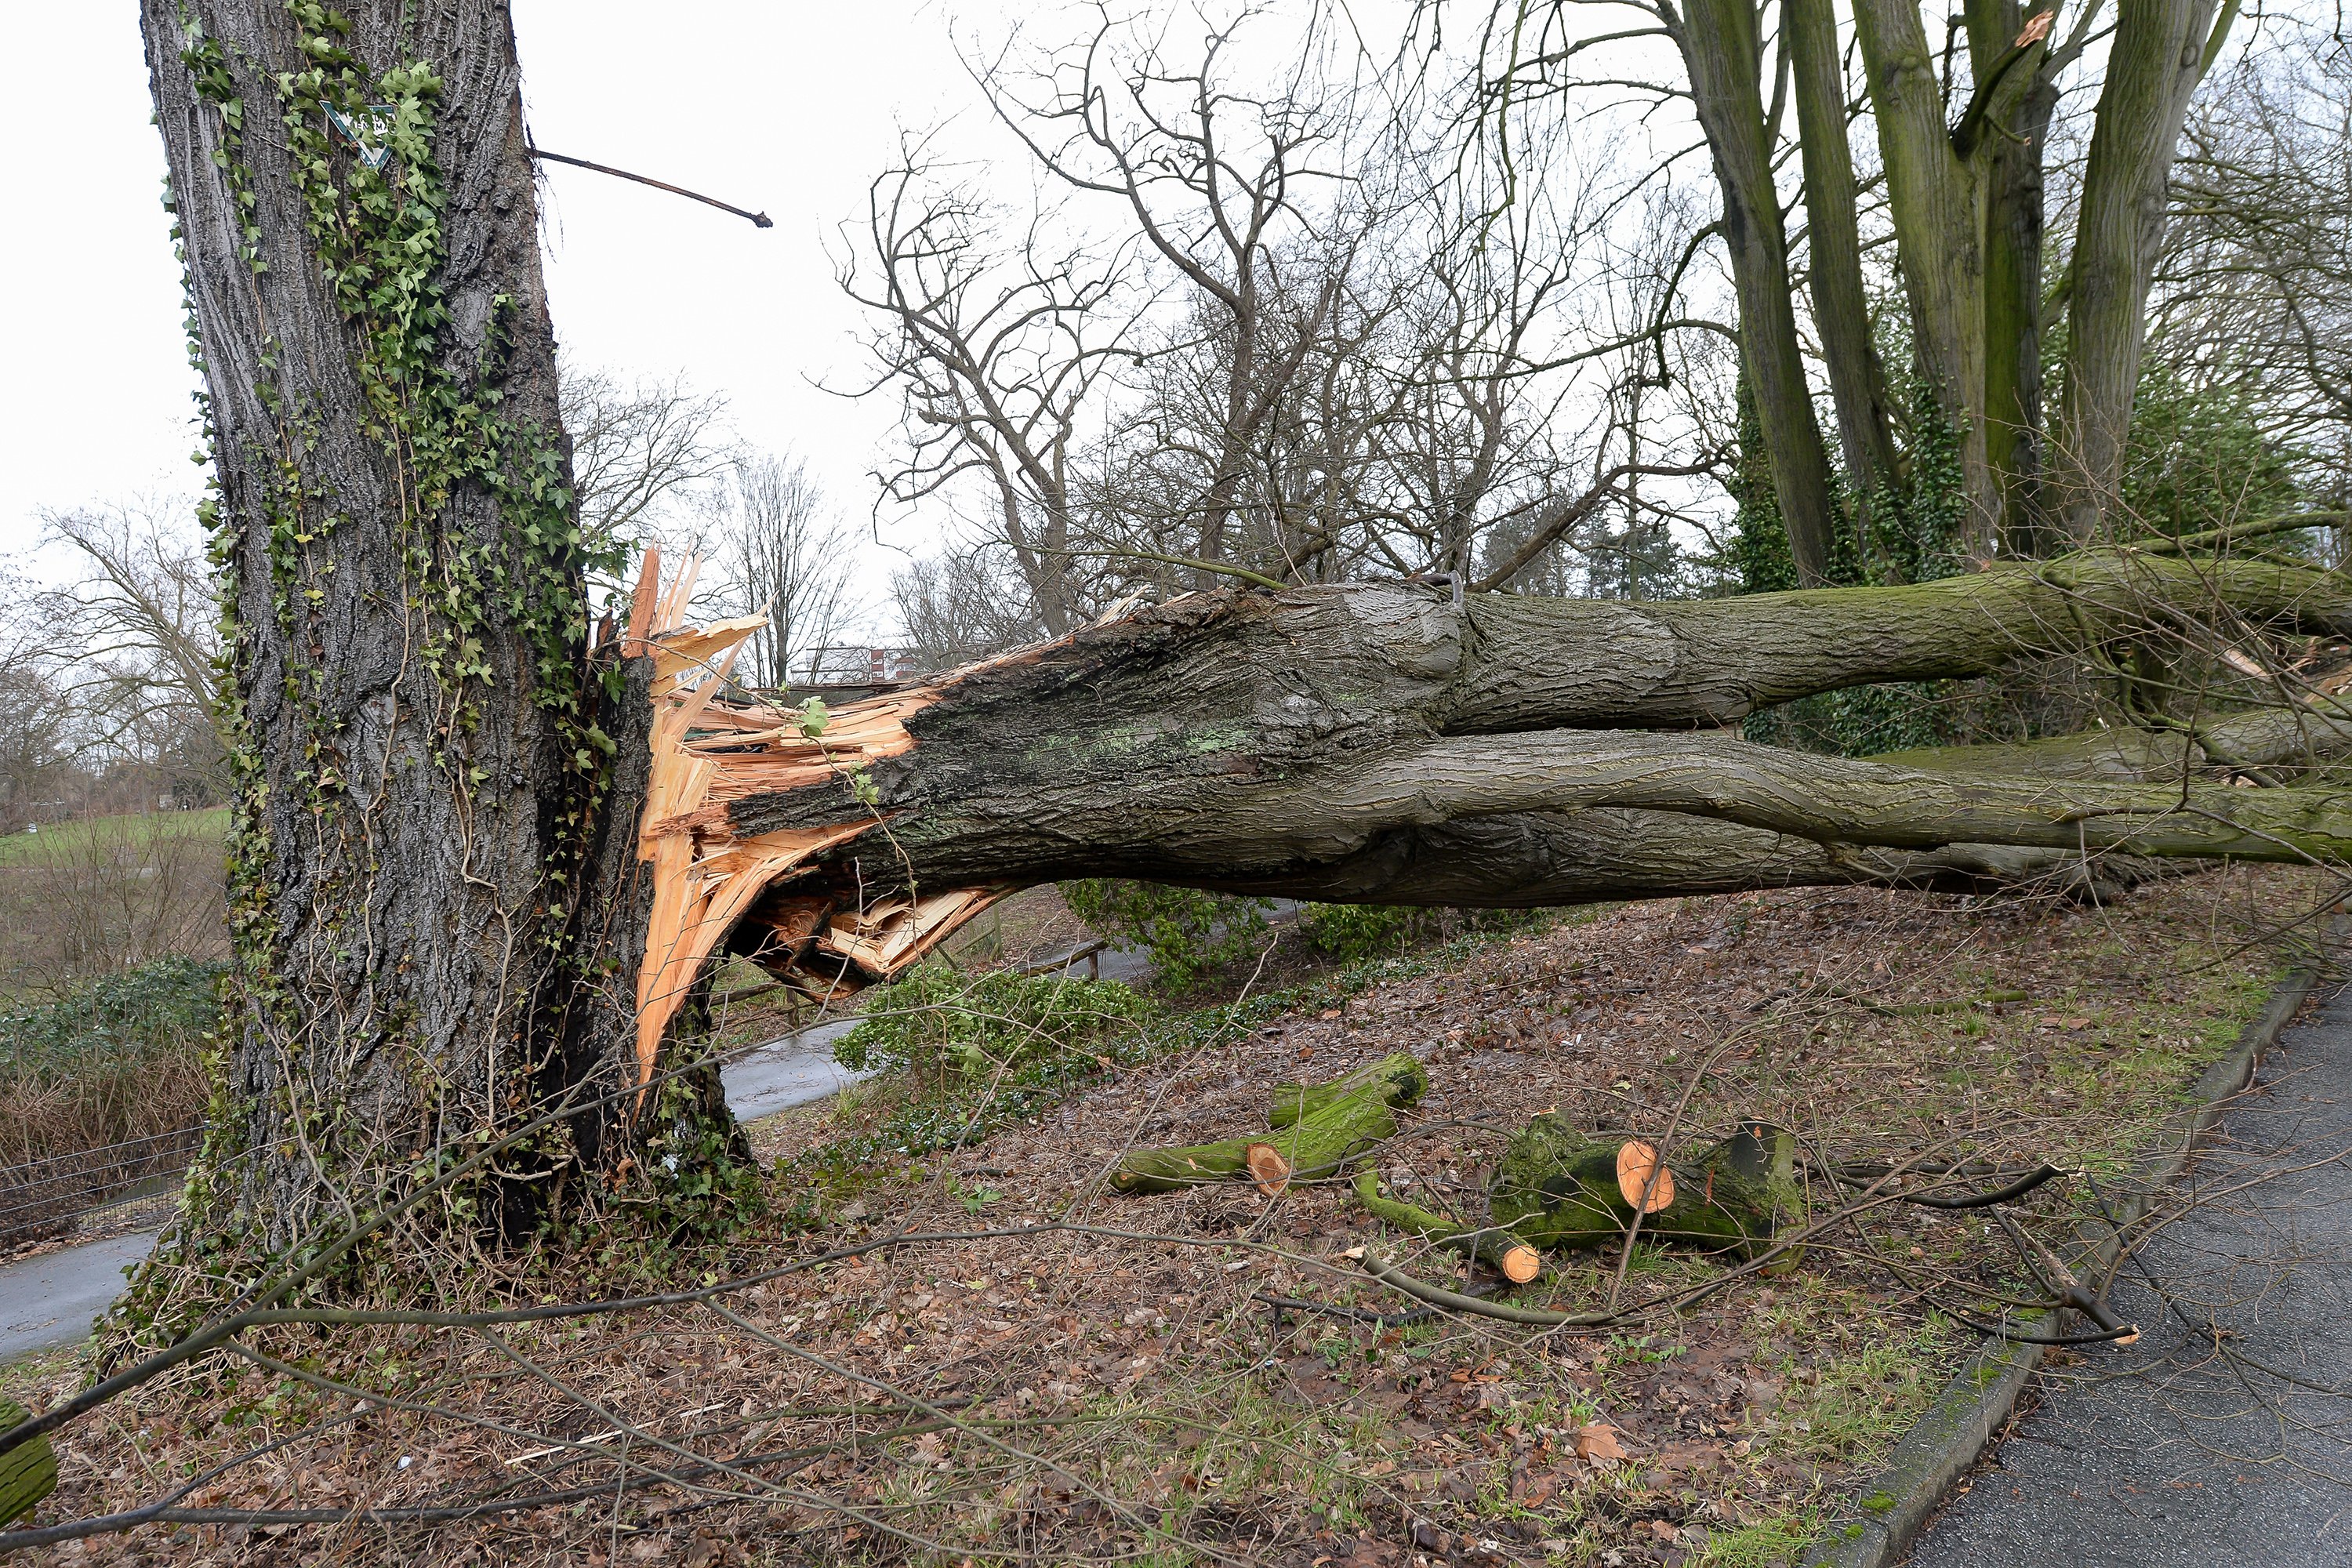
(1382,744)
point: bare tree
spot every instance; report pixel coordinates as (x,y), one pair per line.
(2253,295)
(957,606)
(639,449)
(35,724)
(786,558)
(1274,327)
(145,626)
(994,336)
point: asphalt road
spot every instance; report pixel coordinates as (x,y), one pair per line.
(51,1299)
(2219,1437)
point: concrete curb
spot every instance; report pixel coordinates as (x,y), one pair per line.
(1947,1440)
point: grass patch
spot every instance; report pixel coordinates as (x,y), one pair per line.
(58,842)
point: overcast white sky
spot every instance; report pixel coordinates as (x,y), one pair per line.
(788,108)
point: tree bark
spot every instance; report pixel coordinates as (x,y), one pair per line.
(2157,56)
(2011,160)
(1315,1131)
(1932,194)
(420,735)
(1721,52)
(1841,305)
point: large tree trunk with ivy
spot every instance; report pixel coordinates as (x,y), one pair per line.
(424,747)
(481,864)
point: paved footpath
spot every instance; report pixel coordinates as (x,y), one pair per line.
(2173,1452)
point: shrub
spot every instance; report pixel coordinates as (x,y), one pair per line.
(1188,932)
(944,1026)
(119,1062)
(1353,932)
(162,1009)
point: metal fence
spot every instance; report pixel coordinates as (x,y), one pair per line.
(44,1198)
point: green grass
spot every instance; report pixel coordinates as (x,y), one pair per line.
(56,840)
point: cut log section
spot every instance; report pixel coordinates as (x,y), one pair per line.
(1558,1190)
(1269,1169)
(1321,1142)
(1641,1182)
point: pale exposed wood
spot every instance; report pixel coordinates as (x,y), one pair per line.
(641,602)
(706,876)
(1268,1168)
(888,935)
(1647,1186)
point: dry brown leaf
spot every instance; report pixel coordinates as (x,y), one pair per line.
(1597,1443)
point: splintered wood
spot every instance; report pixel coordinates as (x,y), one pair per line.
(710,881)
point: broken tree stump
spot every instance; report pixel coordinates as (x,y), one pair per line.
(1327,1125)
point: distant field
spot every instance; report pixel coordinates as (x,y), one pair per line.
(60,840)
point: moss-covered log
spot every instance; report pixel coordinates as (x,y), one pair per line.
(28,1472)
(1559,1189)
(1339,1121)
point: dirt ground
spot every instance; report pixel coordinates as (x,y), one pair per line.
(1014,1363)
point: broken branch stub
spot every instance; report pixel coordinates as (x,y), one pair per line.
(1498,1248)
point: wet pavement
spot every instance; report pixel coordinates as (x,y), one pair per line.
(2224,1437)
